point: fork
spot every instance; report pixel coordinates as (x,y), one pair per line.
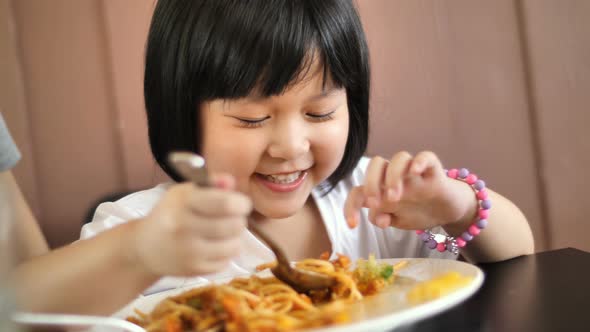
(191,166)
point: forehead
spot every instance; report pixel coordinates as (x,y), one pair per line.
(314,79)
(308,92)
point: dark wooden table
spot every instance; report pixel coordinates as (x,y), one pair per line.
(548,291)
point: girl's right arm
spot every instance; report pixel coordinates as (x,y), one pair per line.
(191,231)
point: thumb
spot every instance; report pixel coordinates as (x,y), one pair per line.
(223,181)
(353,204)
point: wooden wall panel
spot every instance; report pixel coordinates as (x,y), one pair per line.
(70,107)
(448,76)
(127,24)
(496,86)
(13,104)
(557,36)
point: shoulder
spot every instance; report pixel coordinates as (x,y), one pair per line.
(340,191)
(132,206)
(143,201)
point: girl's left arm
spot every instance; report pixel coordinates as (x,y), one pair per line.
(413,193)
(506,235)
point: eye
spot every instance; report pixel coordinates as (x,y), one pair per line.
(251,123)
(321,117)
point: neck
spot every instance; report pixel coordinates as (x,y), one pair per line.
(301,235)
(262,219)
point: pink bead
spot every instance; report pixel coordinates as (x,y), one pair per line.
(482,194)
(473,230)
(471,178)
(441,247)
(460,242)
(453,173)
(483,214)
(419,231)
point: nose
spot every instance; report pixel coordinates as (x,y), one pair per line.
(289,141)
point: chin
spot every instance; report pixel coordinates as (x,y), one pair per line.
(274,213)
(279,210)
(277,206)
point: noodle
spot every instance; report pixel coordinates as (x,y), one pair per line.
(265,304)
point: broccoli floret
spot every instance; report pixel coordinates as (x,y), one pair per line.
(368,270)
(386,272)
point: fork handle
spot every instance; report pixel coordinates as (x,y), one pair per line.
(279,253)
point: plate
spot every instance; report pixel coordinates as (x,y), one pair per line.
(380,312)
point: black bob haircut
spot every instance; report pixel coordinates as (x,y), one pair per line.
(199,50)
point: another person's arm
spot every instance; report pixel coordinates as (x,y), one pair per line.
(84,277)
(23,224)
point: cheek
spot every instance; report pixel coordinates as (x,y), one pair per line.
(330,146)
(224,147)
(225,152)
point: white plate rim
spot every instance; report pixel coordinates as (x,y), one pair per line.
(383,323)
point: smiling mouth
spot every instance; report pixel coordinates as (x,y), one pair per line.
(282,178)
(283,183)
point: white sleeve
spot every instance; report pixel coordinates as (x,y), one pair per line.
(107,215)
(133,206)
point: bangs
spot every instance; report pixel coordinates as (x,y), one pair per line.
(199,50)
(263,50)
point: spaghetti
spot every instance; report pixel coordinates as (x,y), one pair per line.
(267,304)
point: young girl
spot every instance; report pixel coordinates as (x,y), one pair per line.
(275,96)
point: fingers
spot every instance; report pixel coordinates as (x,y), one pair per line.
(214,256)
(352,207)
(200,256)
(425,164)
(355,201)
(220,229)
(391,186)
(374,180)
(211,202)
(223,181)
(193,230)
(383,220)
(381,175)
(396,173)
(214,250)
(203,245)
(208,213)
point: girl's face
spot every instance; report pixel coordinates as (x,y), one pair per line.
(278,148)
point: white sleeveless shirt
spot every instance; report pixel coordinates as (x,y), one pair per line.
(354,243)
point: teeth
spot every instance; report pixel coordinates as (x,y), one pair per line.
(283,178)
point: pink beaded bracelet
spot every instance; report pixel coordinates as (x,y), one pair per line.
(443,242)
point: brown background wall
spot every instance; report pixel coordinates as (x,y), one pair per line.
(498,86)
